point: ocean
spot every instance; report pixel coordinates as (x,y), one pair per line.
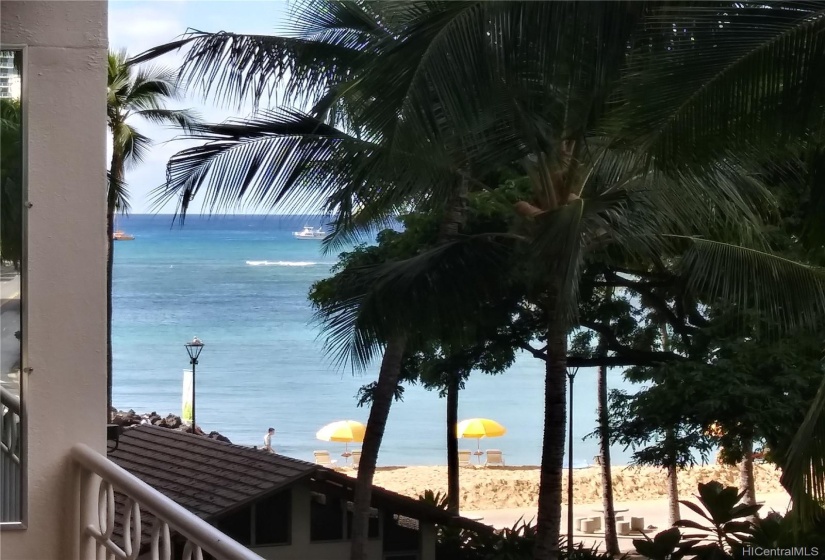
(240,283)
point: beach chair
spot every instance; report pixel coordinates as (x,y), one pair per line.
(494,458)
(464,458)
(322,458)
(356,458)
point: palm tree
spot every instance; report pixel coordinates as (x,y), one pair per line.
(132,93)
(426,94)
(611,538)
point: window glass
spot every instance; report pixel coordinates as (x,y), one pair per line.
(272,519)
(400,533)
(326,518)
(238,525)
(11,270)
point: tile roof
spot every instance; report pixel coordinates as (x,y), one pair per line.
(210,477)
(206,476)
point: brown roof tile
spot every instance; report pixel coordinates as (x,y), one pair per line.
(209,477)
(206,476)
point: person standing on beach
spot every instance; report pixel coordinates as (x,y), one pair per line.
(268,440)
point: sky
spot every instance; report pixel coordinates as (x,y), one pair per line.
(139,25)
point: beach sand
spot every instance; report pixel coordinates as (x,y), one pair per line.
(517,487)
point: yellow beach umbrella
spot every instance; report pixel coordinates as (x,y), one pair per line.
(344,431)
(478,428)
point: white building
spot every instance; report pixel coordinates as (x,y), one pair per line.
(9,78)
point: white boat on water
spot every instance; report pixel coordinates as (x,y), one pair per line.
(309,232)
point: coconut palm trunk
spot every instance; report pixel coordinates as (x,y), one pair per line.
(379,412)
(389,373)
(453,485)
(131,93)
(548,523)
(116,176)
(611,539)
(673,512)
(747,482)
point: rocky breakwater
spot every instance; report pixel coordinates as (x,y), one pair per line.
(132,418)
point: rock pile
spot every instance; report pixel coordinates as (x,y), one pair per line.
(132,418)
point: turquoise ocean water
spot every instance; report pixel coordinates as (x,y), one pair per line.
(240,284)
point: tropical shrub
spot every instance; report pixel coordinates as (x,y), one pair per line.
(510,543)
(728,522)
(775,531)
(731,531)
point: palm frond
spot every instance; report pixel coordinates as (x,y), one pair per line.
(433,292)
(803,471)
(233,67)
(120,192)
(130,143)
(185,119)
(709,80)
(789,294)
(293,161)
(150,87)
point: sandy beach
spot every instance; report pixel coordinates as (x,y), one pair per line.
(516,487)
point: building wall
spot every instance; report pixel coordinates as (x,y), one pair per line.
(429,534)
(301,547)
(64,288)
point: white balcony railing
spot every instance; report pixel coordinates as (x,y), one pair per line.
(10,473)
(100,478)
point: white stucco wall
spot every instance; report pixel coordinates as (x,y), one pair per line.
(65,285)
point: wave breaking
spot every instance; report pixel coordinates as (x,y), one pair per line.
(282,263)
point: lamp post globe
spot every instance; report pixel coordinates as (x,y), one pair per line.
(194,349)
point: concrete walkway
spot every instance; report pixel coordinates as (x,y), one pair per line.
(654,513)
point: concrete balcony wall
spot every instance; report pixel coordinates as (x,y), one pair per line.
(64,395)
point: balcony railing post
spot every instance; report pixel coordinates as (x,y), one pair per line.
(99,479)
(87,485)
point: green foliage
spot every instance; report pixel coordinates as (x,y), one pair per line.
(778,531)
(11,182)
(666,545)
(624,164)
(511,543)
(143,93)
(729,531)
(732,374)
(727,519)
(434,499)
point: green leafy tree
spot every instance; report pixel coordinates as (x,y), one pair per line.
(437,353)
(411,100)
(133,94)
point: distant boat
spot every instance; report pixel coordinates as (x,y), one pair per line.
(122,236)
(309,232)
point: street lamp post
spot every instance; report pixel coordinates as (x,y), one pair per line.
(194,349)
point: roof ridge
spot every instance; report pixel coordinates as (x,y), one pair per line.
(206,441)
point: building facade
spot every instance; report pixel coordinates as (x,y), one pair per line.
(62,90)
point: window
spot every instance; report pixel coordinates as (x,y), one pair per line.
(400,533)
(273,519)
(326,521)
(12,270)
(373,532)
(238,525)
